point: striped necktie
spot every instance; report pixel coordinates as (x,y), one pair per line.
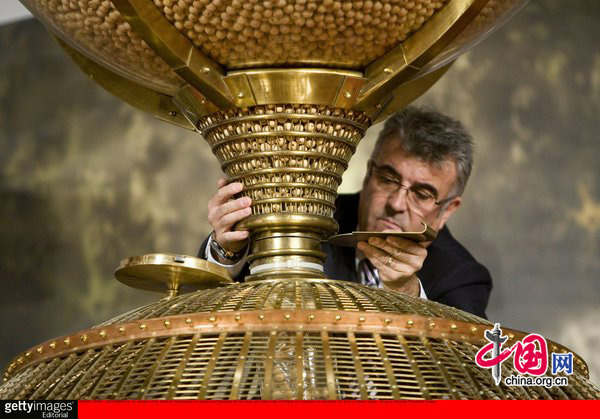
(369,276)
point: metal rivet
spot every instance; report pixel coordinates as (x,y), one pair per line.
(67,341)
(212,319)
(188,320)
(261,316)
(361,319)
(27,354)
(167,323)
(83,338)
(453,326)
(410,323)
(203,101)
(241,95)
(206,70)
(237,318)
(52,345)
(121,329)
(473,329)
(287,317)
(511,336)
(347,95)
(142,326)
(102,334)
(378,106)
(431,325)
(338,318)
(40,350)
(172,114)
(388,70)
(387,321)
(311,317)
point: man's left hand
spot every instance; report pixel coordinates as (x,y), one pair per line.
(398,260)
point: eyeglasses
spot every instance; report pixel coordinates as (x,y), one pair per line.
(417,196)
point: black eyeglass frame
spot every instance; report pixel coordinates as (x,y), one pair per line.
(372,164)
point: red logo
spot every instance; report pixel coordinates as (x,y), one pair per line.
(530,355)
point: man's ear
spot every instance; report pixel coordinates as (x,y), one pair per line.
(449,210)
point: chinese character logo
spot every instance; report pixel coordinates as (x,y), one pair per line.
(562,363)
(531,354)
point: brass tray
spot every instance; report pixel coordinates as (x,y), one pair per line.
(351,239)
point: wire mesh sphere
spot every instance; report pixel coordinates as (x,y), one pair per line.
(278,339)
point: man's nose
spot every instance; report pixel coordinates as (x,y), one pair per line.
(397,200)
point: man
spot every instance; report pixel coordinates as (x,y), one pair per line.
(417,172)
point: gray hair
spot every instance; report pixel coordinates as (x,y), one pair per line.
(432,138)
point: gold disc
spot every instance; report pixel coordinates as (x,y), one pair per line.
(166,272)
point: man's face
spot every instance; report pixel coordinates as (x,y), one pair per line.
(381,209)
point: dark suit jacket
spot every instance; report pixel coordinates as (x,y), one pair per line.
(450,275)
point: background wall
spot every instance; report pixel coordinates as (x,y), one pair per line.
(86,180)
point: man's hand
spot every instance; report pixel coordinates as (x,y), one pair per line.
(397,260)
(224,212)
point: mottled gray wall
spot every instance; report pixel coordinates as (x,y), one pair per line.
(86,180)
